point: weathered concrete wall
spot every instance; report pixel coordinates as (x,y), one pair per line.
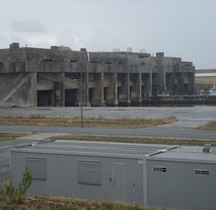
(16,89)
(56,77)
(181,99)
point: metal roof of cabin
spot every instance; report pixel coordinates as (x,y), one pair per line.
(95,148)
(123,150)
(189,153)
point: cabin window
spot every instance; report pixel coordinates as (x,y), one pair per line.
(73,60)
(201,172)
(159,169)
(89,172)
(37,166)
(48,59)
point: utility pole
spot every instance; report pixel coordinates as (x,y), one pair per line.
(85,59)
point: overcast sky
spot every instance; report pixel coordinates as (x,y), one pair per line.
(180,28)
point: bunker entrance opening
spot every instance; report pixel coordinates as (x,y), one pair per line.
(71,97)
(45,98)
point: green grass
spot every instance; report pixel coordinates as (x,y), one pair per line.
(8,136)
(87,122)
(137,139)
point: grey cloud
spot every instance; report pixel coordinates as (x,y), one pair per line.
(28,26)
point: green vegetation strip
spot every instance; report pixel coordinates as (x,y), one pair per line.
(58,203)
(208,126)
(87,122)
(137,139)
(8,136)
(206,80)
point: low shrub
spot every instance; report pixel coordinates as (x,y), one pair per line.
(16,194)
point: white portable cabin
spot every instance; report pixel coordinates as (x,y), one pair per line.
(183,178)
(150,175)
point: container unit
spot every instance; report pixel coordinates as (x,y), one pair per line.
(184,178)
(102,171)
(151,175)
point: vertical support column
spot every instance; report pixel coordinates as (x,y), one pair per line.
(63,89)
(33,94)
(84,59)
(102,89)
(128,89)
(150,82)
(116,89)
(161,72)
(87,86)
(165,83)
(183,91)
(140,88)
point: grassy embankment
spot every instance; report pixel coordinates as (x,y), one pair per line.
(87,122)
(57,203)
(208,126)
(9,136)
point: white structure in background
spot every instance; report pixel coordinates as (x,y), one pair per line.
(129,49)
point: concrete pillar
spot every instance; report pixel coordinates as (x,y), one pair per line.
(140,88)
(150,82)
(183,91)
(102,88)
(57,98)
(165,84)
(116,89)
(33,90)
(87,86)
(63,89)
(84,59)
(128,89)
(161,72)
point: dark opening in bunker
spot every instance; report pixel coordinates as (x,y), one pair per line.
(91,95)
(106,92)
(1,67)
(71,97)
(45,98)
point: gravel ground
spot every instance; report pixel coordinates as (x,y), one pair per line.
(189,117)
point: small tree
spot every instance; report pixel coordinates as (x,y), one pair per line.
(12,193)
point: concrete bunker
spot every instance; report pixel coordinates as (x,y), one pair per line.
(58,76)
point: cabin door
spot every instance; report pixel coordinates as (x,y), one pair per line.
(118,182)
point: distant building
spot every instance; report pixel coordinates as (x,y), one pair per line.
(205,79)
(57,76)
(129,49)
